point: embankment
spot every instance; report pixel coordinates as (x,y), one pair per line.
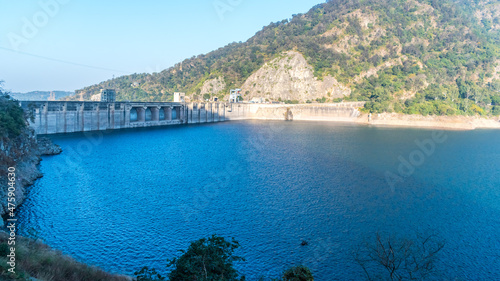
(37,260)
(438,122)
(341,112)
(349,112)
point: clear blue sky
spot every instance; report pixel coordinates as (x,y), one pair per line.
(120,37)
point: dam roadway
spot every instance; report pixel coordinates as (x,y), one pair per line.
(53,117)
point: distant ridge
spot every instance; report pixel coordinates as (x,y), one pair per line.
(41,95)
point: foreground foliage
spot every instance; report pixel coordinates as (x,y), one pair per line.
(148,274)
(12,118)
(212,259)
(16,139)
(34,259)
(399,259)
(298,273)
(206,259)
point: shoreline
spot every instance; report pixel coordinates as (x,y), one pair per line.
(397,120)
(460,123)
(24,154)
(28,172)
(197,113)
(349,112)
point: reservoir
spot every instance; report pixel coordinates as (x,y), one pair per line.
(125,199)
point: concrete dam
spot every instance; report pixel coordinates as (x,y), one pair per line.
(341,112)
(53,117)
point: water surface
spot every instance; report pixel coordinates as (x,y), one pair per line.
(125,199)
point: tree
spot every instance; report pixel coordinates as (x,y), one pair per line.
(207,259)
(298,273)
(147,274)
(399,259)
(12,117)
(496,110)
(495,100)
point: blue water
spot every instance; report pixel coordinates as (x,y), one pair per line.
(125,199)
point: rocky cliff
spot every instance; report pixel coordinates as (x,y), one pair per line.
(290,77)
(213,87)
(22,153)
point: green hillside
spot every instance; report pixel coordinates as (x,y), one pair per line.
(412,56)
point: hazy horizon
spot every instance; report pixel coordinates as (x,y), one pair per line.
(66,45)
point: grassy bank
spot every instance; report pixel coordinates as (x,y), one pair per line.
(37,260)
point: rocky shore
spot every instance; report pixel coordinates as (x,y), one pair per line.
(350,112)
(35,260)
(47,147)
(24,154)
(437,122)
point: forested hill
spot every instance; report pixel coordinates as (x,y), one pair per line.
(411,56)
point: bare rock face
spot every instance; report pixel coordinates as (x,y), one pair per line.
(22,154)
(18,160)
(214,86)
(290,77)
(47,147)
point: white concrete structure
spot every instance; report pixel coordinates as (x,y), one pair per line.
(179,97)
(234,95)
(106,95)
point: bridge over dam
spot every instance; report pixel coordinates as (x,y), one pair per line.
(53,117)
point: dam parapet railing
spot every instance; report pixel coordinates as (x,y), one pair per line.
(53,117)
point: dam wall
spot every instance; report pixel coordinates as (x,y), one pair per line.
(205,112)
(54,117)
(347,111)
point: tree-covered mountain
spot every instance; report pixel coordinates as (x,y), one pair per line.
(411,56)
